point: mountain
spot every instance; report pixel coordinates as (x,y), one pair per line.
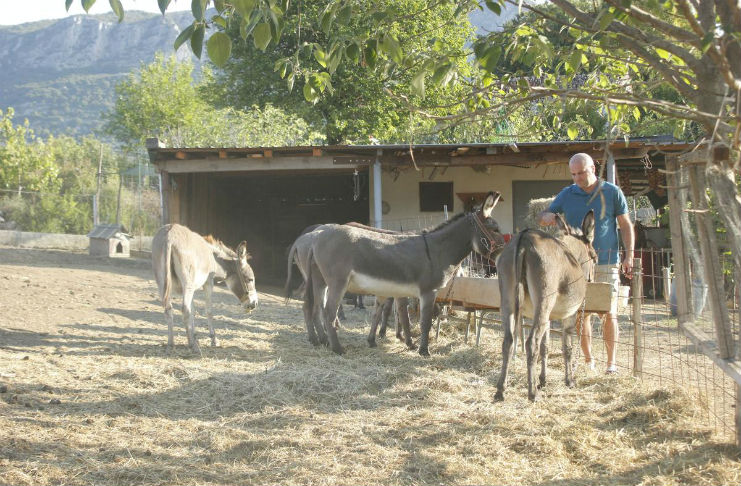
(60,74)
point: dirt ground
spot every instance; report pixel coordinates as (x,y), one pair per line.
(90,395)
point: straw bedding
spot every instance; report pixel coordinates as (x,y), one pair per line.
(89,395)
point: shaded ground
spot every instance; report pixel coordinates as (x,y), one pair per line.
(89,395)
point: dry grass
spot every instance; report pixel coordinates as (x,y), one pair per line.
(90,396)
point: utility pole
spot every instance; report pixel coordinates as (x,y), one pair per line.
(96,201)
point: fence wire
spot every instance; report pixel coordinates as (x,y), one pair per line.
(669,357)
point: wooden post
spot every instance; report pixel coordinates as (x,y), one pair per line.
(713,271)
(679,252)
(637,290)
(96,201)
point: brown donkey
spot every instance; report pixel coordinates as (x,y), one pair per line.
(544,277)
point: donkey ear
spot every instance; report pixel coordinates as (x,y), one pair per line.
(491,200)
(561,224)
(587,225)
(242,251)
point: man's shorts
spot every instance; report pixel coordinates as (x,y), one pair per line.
(609,274)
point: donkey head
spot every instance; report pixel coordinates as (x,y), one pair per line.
(487,238)
(242,280)
(579,243)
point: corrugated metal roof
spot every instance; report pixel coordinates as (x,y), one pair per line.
(107,231)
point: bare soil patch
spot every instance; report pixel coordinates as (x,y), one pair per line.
(89,395)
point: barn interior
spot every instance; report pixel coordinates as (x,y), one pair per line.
(269,210)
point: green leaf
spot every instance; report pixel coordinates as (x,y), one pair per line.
(219,47)
(391,46)
(320,56)
(117,9)
(244,7)
(290,80)
(572,131)
(163,4)
(310,94)
(489,57)
(67,4)
(352,52)
(662,53)
(87,4)
(262,35)
(334,59)
(343,16)
(325,22)
(220,5)
(219,20)
(184,36)
(370,55)
(196,40)
(574,60)
(494,7)
(418,84)
(198,9)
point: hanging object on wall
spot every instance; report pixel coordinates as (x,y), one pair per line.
(356,185)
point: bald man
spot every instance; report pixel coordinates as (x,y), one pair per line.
(611,211)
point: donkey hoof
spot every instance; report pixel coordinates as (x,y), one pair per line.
(372,344)
(424,352)
(534,397)
(499,396)
(411,346)
(338,350)
(541,385)
(382,333)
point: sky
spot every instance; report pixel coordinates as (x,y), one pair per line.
(14,12)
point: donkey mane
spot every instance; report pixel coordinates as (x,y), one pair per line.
(445,223)
(219,247)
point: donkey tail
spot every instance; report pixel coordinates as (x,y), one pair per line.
(168,272)
(520,276)
(287,288)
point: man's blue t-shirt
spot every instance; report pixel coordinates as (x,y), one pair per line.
(574,203)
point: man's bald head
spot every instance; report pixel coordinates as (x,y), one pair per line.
(582,169)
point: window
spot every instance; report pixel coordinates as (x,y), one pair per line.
(433,196)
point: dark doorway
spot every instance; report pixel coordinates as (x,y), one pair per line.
(269,211)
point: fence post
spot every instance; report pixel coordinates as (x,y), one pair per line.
(680,258)
(713,272)
(637,292)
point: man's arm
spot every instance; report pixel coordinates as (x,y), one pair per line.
(626,233)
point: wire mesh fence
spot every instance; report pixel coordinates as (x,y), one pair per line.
(651,345)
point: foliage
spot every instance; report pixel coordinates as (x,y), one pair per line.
(357,108)
(160,97)
(25,163)
(162,100)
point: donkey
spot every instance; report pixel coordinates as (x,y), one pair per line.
(299,255)
(184,261)
(347,258)
(544,277)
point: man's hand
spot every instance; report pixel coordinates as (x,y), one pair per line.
(547,218)
(627,265)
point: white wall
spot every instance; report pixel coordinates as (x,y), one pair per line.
(403,194)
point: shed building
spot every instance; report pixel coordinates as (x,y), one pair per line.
(266,196)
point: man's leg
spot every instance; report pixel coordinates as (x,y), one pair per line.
(611,333)
(584,331)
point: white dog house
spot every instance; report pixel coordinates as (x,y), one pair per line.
(109,240)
